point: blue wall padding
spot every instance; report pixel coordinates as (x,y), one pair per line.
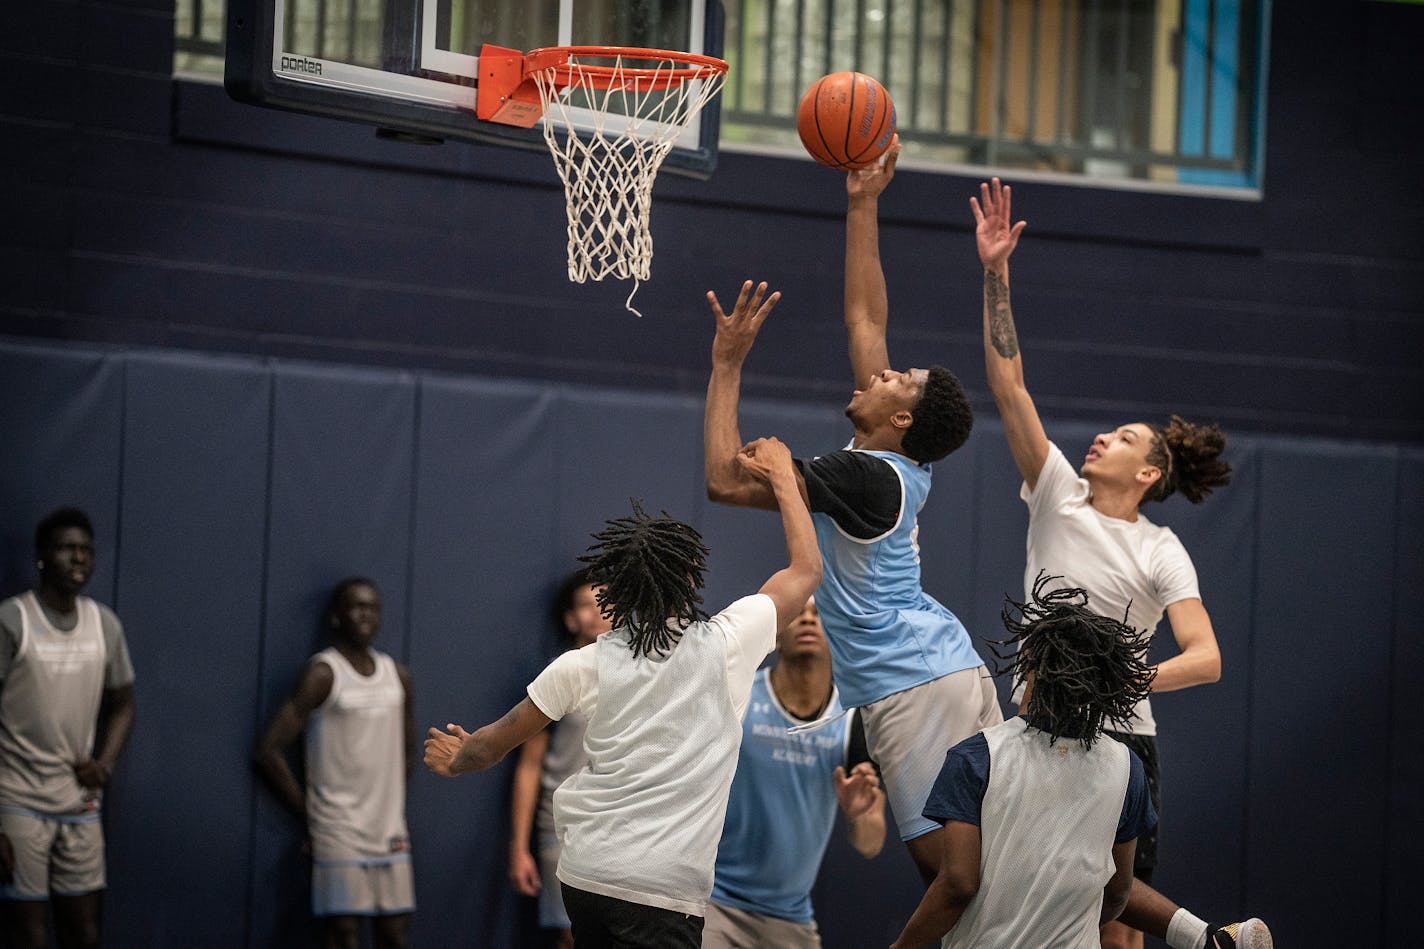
(1319,714)
(229,495)
(1404,833)
(194,492)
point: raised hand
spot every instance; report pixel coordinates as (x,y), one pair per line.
(765,458)
(870,182)
(993,232)
(859,793)
(441,749)
(737,332)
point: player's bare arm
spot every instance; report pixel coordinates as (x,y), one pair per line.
(1199,662)
(866,302)
(270,758)
(121,711)
(956,884)
(523,802)
(728,482)
(769,461)
(996,237)
(455,751)
(863,804)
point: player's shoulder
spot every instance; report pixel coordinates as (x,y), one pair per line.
(108,620)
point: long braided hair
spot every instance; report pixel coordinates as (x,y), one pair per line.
(1087,668)
(650,572)
(1189,458)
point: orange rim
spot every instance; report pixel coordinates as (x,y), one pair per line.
(568,73)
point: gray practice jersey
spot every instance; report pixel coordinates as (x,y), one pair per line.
(355,752)
(53,673)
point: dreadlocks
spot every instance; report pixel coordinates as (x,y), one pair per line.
(650,570)
(1086,668)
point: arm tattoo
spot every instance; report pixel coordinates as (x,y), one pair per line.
(1001,318)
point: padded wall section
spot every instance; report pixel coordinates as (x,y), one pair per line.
(231,494)
(1320,708)
(194,500)
(1203,730)
(342,457)
(61,413)
(613,446)
(1404,831)
(483,573)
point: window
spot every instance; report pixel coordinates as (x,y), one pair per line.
(1164,91)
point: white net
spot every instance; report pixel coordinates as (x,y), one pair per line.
(608,170)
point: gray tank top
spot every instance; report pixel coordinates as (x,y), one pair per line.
(355,757)
(564,757)
(49,707)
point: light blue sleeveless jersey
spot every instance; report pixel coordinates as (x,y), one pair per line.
(886,634)
(781,810)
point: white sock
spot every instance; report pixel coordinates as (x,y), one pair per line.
(1185,931)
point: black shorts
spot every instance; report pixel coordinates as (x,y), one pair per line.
(1145,747)
(605,922)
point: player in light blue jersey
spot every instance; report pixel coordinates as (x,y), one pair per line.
(901,657)
(784,800)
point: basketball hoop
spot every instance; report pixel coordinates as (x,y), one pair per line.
(630,118)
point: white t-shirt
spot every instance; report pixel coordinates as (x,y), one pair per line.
(641,821)
(1132,567)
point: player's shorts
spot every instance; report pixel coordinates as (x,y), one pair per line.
(552,914)
(1145,747)
(606,922)
(55,854)
(909,732)
(730,928)
(383,887)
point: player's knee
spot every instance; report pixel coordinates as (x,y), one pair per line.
(392,932)
(28,934)
(343,932)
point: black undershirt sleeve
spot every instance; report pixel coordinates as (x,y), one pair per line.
(860,492)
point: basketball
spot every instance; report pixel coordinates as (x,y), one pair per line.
(846,120)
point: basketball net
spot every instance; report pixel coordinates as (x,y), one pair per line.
(608,172)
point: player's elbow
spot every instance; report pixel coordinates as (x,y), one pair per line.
(1209,669)
(808,574)
(1114,900)
(957,890)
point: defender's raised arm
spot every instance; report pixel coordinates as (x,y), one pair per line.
(997,237)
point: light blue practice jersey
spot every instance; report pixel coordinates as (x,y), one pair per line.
(886,634)
(781,810)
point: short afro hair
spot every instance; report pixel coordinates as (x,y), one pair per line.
(943,418)
(58,520)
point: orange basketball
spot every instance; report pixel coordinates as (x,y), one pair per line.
(846,120)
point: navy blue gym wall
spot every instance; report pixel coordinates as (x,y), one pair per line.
(150,224)
(140,209)
(230,493)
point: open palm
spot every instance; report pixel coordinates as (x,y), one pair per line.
(993,232)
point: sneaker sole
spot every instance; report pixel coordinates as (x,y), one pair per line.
(1254,934)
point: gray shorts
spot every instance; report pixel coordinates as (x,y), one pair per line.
(357,888)
(731,928)
(909,732)
(54,853)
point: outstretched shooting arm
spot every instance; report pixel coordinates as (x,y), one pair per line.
(867,305)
